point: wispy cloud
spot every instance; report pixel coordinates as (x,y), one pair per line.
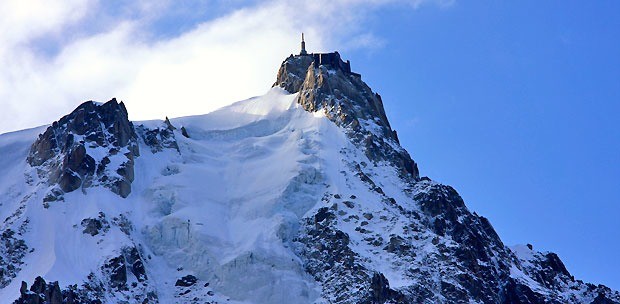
(160,57)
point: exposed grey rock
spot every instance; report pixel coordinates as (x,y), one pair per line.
(12,252)
(186,281)
(94,226)
(61,152)
(517,293)
(329,259)
(134,260)
(380,291)
(469,262)
(41,293)
(326,83)
(69,181)
(111,285)
(159,138)
(396,245)
(55,194)
(117,270)
(292,73)
(169,124)
(184,132)
(123,224)
(602,299)
(91,226)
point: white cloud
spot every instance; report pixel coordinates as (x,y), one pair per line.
(23,20)
(214,63)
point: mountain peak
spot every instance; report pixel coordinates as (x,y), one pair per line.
(294,68)
(303,196)
(76,150)
(324,82)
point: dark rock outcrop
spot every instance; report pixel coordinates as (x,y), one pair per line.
(159,138)
(113,281)
(482,258)
(136,266)
(64,154)
(118,268)
(602,299)
(517,293)
(380,292)
(94,226)
(330,260)
(186,281)
(292,73)
(184,132)
(467,263)
(12,252)
(42,293)
(91,226)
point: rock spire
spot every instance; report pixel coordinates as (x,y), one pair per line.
(325,82)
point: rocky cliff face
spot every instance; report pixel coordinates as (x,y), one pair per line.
(94,145)
(445,253)
(301,198)
(325,83)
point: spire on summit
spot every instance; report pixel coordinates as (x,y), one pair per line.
(303,46)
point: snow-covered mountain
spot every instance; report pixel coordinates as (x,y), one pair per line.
(303,195)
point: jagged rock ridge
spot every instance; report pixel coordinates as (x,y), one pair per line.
(77,150)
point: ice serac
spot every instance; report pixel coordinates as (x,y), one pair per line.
(325,83)
(94,145)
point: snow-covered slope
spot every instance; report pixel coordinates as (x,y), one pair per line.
(301,195)
(217,203)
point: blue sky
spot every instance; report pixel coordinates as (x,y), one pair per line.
(514,103)
(517,107)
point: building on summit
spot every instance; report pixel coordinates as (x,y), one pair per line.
(330,59)
(303,46)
